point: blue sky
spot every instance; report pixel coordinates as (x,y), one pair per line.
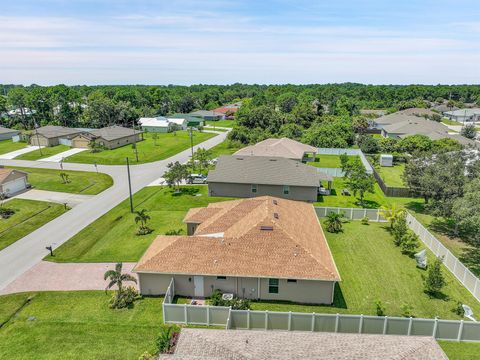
(221,42)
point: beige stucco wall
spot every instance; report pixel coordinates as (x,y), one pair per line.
(35,140)
(245,190)
(303,291)
(80,142)
(120,142)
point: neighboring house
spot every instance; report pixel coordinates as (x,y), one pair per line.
(12,181)
(251,176)
(220,344)
(443,108)
(263,248)
(110,137)
(162,124)
(284,147)
(194,121)
(6,133)
(208,115)
(464,115)
(52,135)
(228,110)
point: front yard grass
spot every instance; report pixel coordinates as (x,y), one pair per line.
(460,350)
(81,182)
(372,268)
(392,175)
(225,148)
(448,121)
(7,146)
(46,152)
(72,325)
(221,123)
(29,216)
(112,238)
(167,144)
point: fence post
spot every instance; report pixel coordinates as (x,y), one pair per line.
(434,332)
(185,313)
(460,331)
(385,322)
(289,320)
(313,322)
(464,276)
(248,319)
(336,322)
(208,315)
(360,325)
(266,320)
(410,326)
(163,309)
(378,216)
(351,214)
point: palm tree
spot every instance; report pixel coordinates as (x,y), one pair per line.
(391,213)
(142,217)
(334,222)
(117,278)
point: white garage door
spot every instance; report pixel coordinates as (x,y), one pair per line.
(14,186)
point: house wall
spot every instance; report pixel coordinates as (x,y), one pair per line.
(14,182)
(302,291)
(42,141)
(302,193)
(113,144)
(8,135)
(158,129)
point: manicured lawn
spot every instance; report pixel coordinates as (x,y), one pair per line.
(372,268)
(81,182)
(224,148)
(461,350)
(328,161)
(29,216)
(221,123)
(112,237)
(447,121)
(72,325)
(166,145)
(7,146)
(46,152)
(392,175)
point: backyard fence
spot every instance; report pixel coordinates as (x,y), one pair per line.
(352,213)
(335,172)
(390,191)
(461,272)
(349,152)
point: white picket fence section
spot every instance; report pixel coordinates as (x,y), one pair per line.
(349,152)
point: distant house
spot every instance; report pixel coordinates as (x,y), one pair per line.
(263,248)
(163,124)
(251,176)
(208,115)
(52,135)
(191,120)
(284,147)
(228,110)
(12,181)
(443,108)
(6,133)
(464,115)
(110,137)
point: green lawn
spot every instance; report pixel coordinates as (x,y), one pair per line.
(221,123)
(112,237)
(167,144)
(72,325)
(461,350)
(392,175)
(45,152)
(29,216)
(7,146)
(447,121)
(81,182)
(225,148)
(328,161)
(372,268)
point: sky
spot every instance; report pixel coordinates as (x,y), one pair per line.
(187,42)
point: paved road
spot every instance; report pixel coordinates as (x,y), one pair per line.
(28,251)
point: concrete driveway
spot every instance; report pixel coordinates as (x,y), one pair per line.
(14,154)
(71,200)
(49,276)
(60,156)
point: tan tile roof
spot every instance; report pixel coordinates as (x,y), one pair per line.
(5,173)
(283,147)
(251,344)
(230,241)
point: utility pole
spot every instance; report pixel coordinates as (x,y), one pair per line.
(135,140)
(129,186)
(191,146)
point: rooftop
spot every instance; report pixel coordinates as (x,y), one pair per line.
(4,130)
(4,173)
(464,112)
(53,131)
(283,147)
(265,170)
(257,237)
(251,344)
(114,132)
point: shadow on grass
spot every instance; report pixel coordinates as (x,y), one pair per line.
(185,191)
(437,295)
(471,259)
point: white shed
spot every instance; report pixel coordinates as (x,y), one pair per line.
(386,160)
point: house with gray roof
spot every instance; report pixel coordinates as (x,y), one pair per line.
(52,135)
(208,115)
(110,137)
(464,115)
(6,133)
(251,176)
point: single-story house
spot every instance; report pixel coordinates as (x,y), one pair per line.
(12,181)
(111,137)
(208,115)
(162,124)
(464,115)
(220,344)
(251,176)
(262,248)
(284,147)
(52,135)
(194,121)
(443,108)
(228,110)
(6,133)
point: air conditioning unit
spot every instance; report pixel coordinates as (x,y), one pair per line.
(227,296)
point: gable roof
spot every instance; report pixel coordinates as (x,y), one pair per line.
(200,344)
(4,130)
(283,147)
(114,132)
(203,113)
(258,237)
(5,173)
(266,171)
(53,131)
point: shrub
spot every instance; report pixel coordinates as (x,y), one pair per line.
(459,309)
(409,243)
(334,222)
(236,303)
(407,310)
(399,228)
(167,338)
(380,309)
(434,281)
(147,356)
(124,299)
(365,220)
(144,231)
(5,213)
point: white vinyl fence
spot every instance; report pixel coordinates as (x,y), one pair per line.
(349,152)
(335,172)
(352,213)
(461,272)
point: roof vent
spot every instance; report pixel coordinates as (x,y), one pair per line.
(275,215)
(275,202)
(239,158)
(266,228)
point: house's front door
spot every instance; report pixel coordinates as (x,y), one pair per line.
(198,285)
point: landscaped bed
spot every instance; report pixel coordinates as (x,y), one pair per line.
(43,152)
(7,146)
(166,145)
(112,237)
(79,182)
(29,215)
